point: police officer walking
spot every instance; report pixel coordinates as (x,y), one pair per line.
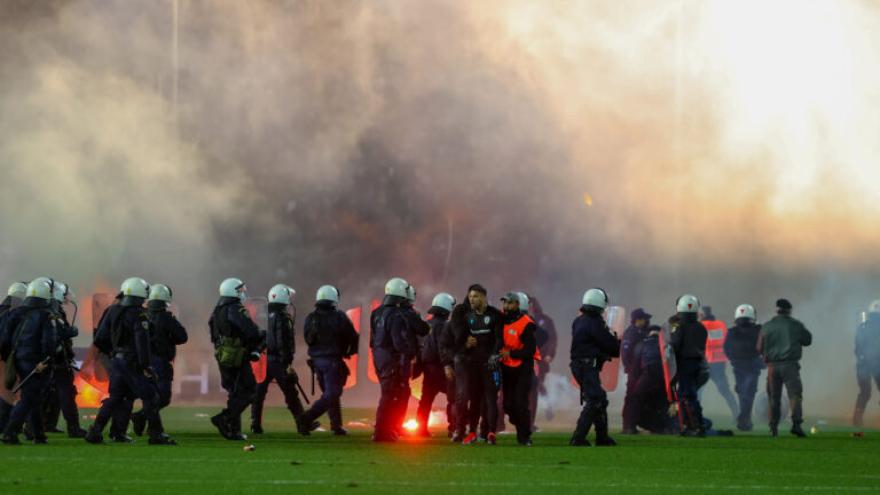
(126,336)
(475,339)
(518,364)
(237,340)
(14,296)
(632,336)
(741,348)
(280,350)
(781,344)
(167,333)
(394,348)
(688,341)
(592,344)
(331,337)
(62,395)
(436,365)
(29,341)
(867,359)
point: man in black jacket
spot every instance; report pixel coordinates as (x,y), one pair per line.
(632,336)
(167,334)
(280,349)
(237,340)
(433,365)
(62,392)
(592,344)
(688,341)
(741,348)
(28,340)
(126,336)
(331,337)
(474,339)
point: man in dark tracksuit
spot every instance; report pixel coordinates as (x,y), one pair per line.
(867,360)
(394,348)
(688,341)
(632,336)
(592,344)
(30,338)
(741,348)
(167,333)
(518,365)
(62,394)
(474,338)
(126,336)
(781,343)
(15,295)
(331,337)
(649,405)
(237,340)
(280,350)
(433,368)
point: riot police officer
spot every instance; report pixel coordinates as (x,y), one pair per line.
(741,348)
(433,365)
(62,391)
(237,340)
(867,359)
(14,296)
(394,348)
(280,349)
(592,345)
(331,337)
(127,338)
(688,341)
(29,341)
(167,333)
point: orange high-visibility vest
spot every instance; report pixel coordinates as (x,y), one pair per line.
(512,342)
(715,341)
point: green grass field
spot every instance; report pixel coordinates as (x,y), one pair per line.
(830,462)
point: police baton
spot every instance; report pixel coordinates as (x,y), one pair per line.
(30,375)
(303,392)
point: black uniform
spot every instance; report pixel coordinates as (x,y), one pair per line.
(649,403)
(167,333)
(331,337)
(632,337)
(122,413)
(867,362)
(29,337)
(62,392)
(741,348)
(280,349)
(592,344)
(432,365)
(126,335)
(394,348)
(688,341)
(476,388)
(236,339)
(6,407)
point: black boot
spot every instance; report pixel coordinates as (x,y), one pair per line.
(94,435)
(602,437)
(222,424)
(139,423)
(774,431)
(161,439)
(256,427)
(797,431)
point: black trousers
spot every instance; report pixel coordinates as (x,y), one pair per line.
(475,391)
(276,371)
(517,384)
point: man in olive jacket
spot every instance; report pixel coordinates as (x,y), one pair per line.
(781,343)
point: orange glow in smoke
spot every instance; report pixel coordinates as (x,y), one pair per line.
(88,396)
(411,425)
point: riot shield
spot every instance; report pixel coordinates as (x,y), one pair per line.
(258,309)
(615,317)
(354,314)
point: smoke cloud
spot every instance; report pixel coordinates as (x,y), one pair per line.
(727,150)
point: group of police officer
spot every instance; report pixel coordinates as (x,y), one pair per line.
(470,351)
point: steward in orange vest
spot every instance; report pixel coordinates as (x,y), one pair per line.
(518,364)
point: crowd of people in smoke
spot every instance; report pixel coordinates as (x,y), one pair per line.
(488,361)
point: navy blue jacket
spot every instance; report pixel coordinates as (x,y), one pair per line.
(741,342)
(127,329)
(280,339)
(432,352)
(649,359)
(167,332)
(591,338)
(486,328)
(231,319)
(329,332)
(34,328)
(631,337)
(389,331)
(688,338)
(868,339)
